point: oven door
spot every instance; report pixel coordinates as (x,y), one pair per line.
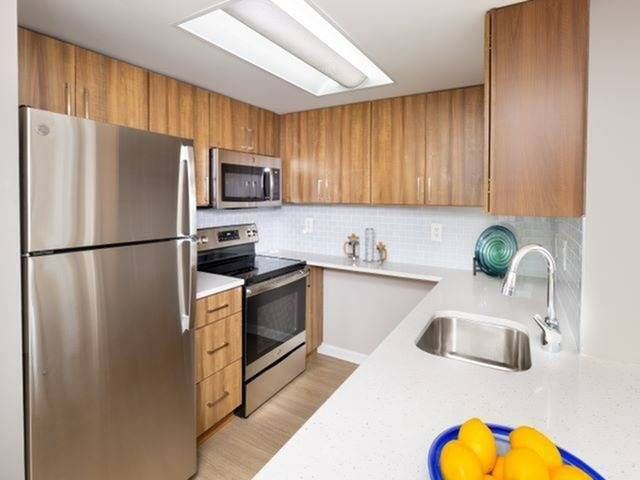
(243,180)
(275,313)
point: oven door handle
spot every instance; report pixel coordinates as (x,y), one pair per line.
(269,285)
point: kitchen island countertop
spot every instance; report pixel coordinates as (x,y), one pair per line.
(380,422)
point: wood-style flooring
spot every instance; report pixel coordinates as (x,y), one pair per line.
(241,448)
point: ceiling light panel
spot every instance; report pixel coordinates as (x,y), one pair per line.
(291,40)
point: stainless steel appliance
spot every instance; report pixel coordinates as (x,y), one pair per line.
(109,264)
(244,180)
(274,308)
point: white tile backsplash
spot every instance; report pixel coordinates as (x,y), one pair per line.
(569,291)
(405,230)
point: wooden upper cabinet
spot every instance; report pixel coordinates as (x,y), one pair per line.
(180,109)
(171,106)
(537,73)
(201,144)
(355,153)
(268,133)
(112,91)
(236,125)
(455,140)
(46,72)
(290,154)
(398,131)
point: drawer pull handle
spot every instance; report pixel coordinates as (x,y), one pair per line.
(217,309)
(224,395)
(224,345)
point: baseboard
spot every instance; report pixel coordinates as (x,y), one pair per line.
(342,353)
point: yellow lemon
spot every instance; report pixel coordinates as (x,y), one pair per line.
(531,438)
(458,462)
(568,472)
(488,477)
(477,436)
(524,464)
(498,469)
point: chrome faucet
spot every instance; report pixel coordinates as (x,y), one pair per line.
(551,336)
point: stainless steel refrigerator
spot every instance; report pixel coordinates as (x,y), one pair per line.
(109,265)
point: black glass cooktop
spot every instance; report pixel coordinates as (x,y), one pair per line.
(251,268)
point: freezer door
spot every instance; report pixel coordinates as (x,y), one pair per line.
(110,376)
(86,183)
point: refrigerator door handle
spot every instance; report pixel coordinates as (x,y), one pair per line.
(187,185)
(187,271)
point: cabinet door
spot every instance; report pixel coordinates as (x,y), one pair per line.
(201,144)
(46,72)
(311,172)
(292,164)
(355,153)
(537,114)
(314,320)
(171,106)
(112,91)
(398,154)
(220,121)
(268,133)
(455,161)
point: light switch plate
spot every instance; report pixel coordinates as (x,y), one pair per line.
(436,232)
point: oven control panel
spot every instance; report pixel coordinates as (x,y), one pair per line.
(218,237)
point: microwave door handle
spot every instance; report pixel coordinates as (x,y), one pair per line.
(267,187)
(271,184)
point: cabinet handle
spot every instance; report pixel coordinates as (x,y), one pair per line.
(224,395)
(217,309)
(419,188)
(429,188)
(211,352)
(86,103)
(319,189)
(67,98)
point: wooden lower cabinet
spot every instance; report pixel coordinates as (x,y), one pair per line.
(218,357)
(218,395)
(314,315)
(218,344)
(215,307)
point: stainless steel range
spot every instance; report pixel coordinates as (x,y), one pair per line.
(274,308)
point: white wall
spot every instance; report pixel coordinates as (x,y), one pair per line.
(11,416)
(611,262)
(361,310)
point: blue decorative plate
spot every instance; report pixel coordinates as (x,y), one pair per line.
(495,248)
(502,440)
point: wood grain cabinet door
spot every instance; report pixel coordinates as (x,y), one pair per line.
(292,165)
(108,90)
(267,133)
(314,323)
(355,154)
(46,72)
(310,179)
(537,55)
(455,139)
(180,109)
(398,154)
(171,106)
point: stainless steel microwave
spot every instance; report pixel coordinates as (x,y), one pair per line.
(244,180)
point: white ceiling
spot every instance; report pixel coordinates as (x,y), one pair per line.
(423,45)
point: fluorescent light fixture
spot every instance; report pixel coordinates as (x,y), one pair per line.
(291,40)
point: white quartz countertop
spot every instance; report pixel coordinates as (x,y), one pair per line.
(210,283)
(380,422)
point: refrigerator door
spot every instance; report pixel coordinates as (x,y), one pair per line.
(110,376)
(87,183)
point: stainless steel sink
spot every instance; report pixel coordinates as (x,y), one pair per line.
(480,340)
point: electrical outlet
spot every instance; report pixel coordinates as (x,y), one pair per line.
(436,232)
(308,225)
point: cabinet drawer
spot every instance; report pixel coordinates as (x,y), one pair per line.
(219,395)
(217,345)
(220,305)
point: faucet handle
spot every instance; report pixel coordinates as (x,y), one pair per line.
(551,336)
